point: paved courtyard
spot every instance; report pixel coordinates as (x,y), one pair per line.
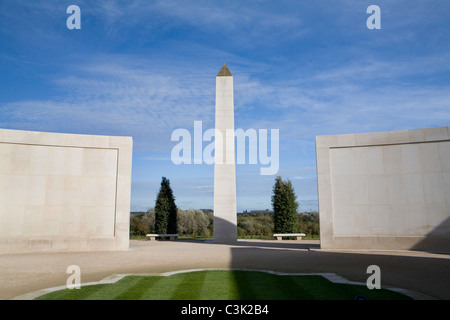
(423,272)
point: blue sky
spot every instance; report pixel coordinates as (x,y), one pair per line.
(145,68)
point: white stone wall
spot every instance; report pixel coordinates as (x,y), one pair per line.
(63,192)
(386,190)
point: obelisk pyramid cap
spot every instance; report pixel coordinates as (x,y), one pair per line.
(224,72)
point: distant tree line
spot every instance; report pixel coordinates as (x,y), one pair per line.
(256,212)
(198,223)
(260,225)
(190,223)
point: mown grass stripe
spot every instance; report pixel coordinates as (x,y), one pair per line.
(263,286)
(107,292)
(266,286)
(219,285)
(164,288)
(136,287)
(246,283)
(191,286)
(312,287)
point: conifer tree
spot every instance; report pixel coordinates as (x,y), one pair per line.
(284,203)
(165,209)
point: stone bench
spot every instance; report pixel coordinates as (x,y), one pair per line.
(171,236)
(279,236)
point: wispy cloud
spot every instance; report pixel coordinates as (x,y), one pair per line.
(116,97)
(128,95)
(356,97)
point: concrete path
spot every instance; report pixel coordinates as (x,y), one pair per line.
(422,272)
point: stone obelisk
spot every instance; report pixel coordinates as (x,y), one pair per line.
(225,214)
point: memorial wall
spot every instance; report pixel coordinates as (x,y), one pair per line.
(385,190)
(64,192)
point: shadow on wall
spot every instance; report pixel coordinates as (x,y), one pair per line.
(437,240)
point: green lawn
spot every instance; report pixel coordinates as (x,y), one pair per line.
(222,285)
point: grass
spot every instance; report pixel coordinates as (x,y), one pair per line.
(223,285)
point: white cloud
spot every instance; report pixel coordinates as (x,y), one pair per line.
(298,178)
(208,188)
